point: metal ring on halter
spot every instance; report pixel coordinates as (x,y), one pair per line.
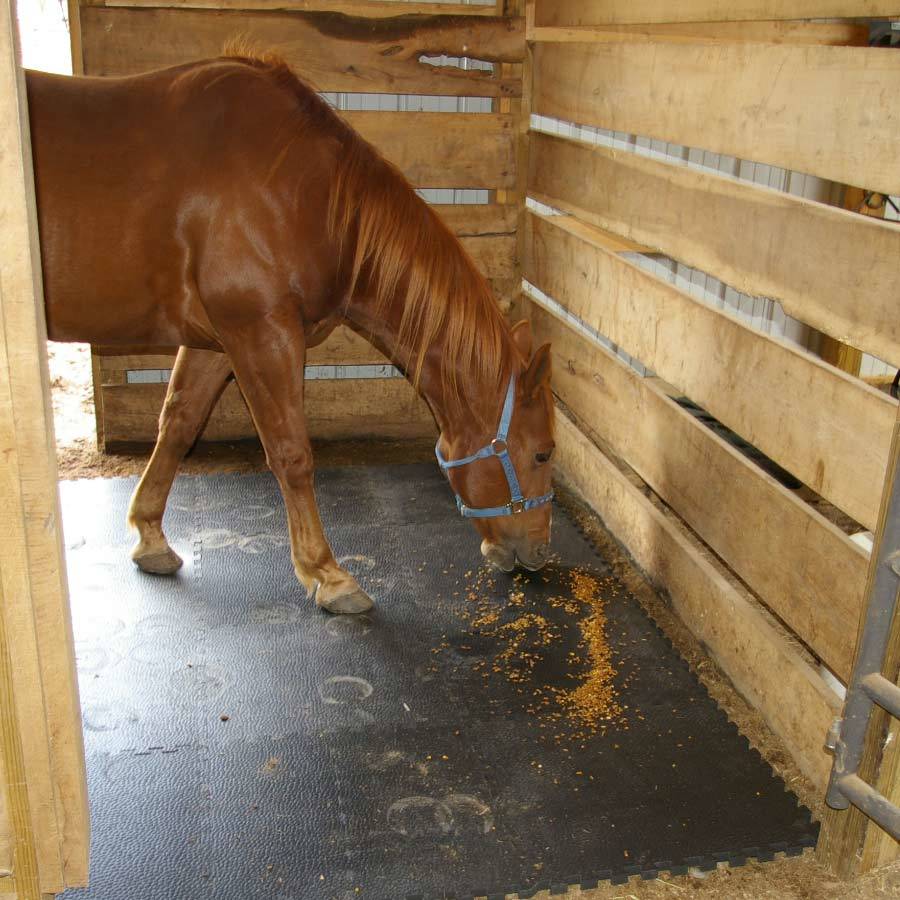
(498,448)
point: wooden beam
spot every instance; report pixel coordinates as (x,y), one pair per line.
(335,408)
(40,731)
(839,34)
(838,353)
(610,12)
(806,571)
(830,430)
(457,150)
(758,658)
(827,111)
(360,8)
(331,51)
(829,268)
(851,843)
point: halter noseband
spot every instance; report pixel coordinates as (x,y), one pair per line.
(497,447)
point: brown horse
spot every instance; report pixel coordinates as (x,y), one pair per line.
(223,208)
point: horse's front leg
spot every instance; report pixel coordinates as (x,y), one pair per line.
(197,380)
(269,358)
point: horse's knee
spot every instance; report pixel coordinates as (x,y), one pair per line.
(177,429)
(292,466)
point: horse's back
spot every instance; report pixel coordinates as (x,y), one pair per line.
(136,178)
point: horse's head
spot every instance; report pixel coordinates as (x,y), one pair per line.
(502,478)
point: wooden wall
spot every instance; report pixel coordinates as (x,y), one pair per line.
(727,78)
(346,47)
(44,824)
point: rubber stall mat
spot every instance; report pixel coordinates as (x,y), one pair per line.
(477,734)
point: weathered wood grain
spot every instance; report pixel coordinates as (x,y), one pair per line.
(840,34)
(608,12)
(40,732)
(362,8)
(827,111)
(345,408)
(331,51)
(459,150)
(806,570)
(827,428)
(828,267)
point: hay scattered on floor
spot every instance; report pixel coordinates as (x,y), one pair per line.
(516,638)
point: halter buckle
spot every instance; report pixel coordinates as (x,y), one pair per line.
(498,446)
(516,506)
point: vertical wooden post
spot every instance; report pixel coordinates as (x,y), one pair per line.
(40,722)
(521,108)
(843,356)
(851,843)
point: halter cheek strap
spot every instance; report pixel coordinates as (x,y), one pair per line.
(497,447)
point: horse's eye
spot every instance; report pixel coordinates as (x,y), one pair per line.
(541,458)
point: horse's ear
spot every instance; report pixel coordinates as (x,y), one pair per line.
(538,372)
(521,335)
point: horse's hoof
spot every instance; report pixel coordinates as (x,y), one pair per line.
(349,604)
(166,562)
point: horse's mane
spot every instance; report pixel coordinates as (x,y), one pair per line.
(402,247)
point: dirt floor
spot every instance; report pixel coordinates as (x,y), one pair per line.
(801,878)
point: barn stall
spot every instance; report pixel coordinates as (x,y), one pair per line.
(723,526)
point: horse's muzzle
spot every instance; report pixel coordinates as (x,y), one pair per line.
(531,557)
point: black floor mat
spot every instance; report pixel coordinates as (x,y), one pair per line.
(242,744)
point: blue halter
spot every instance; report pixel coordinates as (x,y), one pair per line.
(497,447)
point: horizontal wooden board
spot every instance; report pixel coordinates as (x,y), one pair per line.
(758,658)
(610,12)
(360,8)
(805,569)
(459,150)
(475,220)
(827,111)
(341,347)
(830,268)
(839,34)
(371,407)
(827,428)
(332,52)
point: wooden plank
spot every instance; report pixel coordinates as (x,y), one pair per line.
(340,408)
(342,346)
(829,268)
(757,657)
(831,350)
(44,718)
(850,842)
(20,849)
(806,570)
(458,150)
(332,52)
(8,837)
(359,8)
(839,34)
(610,12)
(827,111)
(827,428)
(474,220)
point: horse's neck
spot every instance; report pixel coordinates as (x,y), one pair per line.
(479,401)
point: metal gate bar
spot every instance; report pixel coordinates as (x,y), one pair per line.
(868,685)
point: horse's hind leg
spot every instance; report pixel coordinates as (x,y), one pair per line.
(269,358)
(197,380)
